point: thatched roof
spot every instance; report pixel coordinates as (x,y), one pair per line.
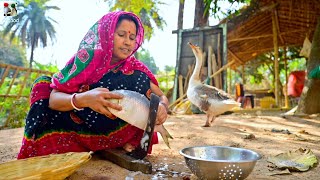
(251,33)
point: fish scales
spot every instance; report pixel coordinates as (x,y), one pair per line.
(135,111)
(135,108)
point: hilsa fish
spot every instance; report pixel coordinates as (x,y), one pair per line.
(135,111)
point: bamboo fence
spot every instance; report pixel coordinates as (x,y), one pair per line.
(19,77)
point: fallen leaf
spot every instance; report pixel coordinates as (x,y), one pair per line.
(298,160)
(284,172)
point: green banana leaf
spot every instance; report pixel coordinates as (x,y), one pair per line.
(298,160)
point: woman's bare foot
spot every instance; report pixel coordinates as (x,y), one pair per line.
(128,147)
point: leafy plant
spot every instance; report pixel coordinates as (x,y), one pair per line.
(12,110)
(166,78)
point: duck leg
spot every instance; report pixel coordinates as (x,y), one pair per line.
(210,119)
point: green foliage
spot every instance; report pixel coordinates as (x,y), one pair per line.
(46,67)
(11,52)
(147,10)
(214,7)
(261,69)
(17,116)
(145,57)
(166,78)
(13,111)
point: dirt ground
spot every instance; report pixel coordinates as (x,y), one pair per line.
(187,130)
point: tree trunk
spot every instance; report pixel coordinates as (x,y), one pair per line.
(309,102)
(33,43)
(180,15)
(200,20)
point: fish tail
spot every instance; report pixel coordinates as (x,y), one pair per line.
(165,136)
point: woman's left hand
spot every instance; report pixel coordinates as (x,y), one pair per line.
(162,114)
(162,109)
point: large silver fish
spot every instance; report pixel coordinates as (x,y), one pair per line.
(135,111)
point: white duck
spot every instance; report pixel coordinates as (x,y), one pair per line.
(208,99)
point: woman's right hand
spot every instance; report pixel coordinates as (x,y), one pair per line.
(97,100)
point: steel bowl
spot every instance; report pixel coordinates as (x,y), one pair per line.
(220,162)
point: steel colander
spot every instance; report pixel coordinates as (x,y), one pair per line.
(220,162)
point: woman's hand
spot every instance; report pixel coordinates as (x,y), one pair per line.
(162,109)
(162,114)
(97,100)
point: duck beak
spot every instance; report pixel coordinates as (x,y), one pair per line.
(191,45)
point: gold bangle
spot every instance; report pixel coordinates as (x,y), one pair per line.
(165,105)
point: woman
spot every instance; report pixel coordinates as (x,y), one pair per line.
(69,112)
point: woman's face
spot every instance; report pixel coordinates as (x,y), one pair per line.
(124,40)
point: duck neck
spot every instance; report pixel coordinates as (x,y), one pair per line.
(195,77)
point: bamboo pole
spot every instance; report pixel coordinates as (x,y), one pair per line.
(276,56)
(10,86)
(219,63)
(214,74)
(229,80)
(5,74)
(243,75)
(263,36)
(209,63)
(180,78)
(186,81)
(286,99)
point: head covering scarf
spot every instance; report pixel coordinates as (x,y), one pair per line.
(94,54)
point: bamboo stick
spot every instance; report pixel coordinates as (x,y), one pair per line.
(186,81)
(209,63)
(180,85)
(10,86)
(215,68)
(219,64)
(5,74)
(276,56)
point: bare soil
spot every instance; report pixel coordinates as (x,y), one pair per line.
(251,130)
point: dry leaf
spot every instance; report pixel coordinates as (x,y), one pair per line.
(298,160)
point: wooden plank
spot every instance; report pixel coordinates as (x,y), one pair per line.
(120,157)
